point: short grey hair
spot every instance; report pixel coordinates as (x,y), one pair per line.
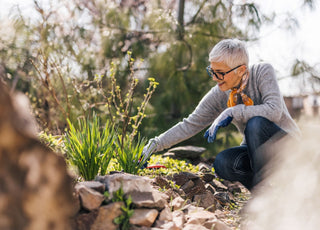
(232,52)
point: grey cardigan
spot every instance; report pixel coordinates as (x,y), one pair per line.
(262,88)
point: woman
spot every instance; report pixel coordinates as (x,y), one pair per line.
(248,97)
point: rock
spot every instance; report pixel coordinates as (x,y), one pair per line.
(139,188)
(204,168)
(144,217)
(236,187)
(161,182)
(106,215)
(133,227)
(210,188)
(218,186)
(89,198)
(223,198)
(190,208)
(193,227)
(189,152)
(200,216)
(183,177)
(170,155)
(187,186)
(216,225)
(167,225)
(178,218)
(85,220)
(206,200)
(165,214)
(173,193)
(127,182)
(95,185)
(208,177)
(177,203)
(198,188)
(35,187)
(152,199)
(195,221)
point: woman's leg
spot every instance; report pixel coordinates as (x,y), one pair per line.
(234,164)
(261,134)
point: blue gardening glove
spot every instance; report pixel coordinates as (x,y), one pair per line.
(223,120)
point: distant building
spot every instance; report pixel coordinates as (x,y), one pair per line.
(308,105)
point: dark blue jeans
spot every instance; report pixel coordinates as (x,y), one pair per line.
(245,163)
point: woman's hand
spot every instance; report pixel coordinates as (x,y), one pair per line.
(223,120)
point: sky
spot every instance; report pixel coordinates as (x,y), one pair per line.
(276,45)
(280,47)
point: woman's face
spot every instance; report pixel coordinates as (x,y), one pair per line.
(231,79)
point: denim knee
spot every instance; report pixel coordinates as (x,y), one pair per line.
(222,166)
(219,164)
(255,124)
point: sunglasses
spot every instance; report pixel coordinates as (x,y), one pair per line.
(219,75)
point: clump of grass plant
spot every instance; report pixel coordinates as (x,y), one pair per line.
(128,154)
(89,148)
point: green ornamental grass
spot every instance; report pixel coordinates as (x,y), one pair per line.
(89,149)
(128,154)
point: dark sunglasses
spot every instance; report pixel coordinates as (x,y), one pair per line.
(219,75)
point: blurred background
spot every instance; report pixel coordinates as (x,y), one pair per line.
(55,51)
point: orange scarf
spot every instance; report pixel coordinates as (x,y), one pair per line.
(233,97)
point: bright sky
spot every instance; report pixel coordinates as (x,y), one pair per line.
(280,47)
(276,45)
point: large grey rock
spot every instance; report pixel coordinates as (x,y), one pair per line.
(189,152)
(35,188)
(139,188)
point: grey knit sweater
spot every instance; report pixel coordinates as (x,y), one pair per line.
(262,88)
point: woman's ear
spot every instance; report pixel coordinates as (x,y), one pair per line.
(242,69)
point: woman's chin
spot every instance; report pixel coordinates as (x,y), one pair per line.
(223,86)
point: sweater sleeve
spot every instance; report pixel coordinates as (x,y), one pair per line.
(270,106)
(207,110)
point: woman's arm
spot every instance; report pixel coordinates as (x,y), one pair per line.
(211,105)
